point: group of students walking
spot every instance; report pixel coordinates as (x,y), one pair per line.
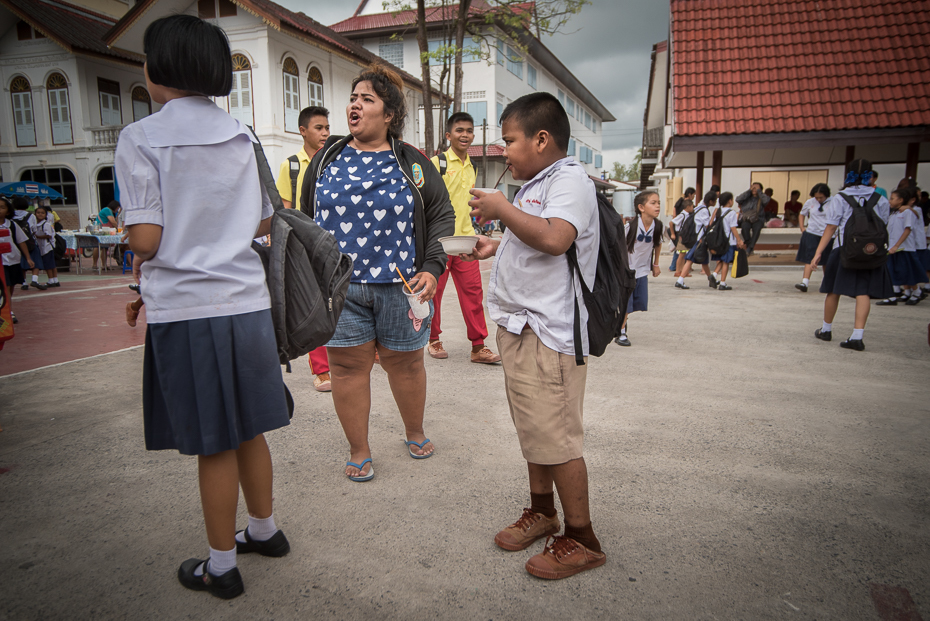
(32,241)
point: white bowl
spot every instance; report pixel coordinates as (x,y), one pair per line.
(458,244)
(487,190)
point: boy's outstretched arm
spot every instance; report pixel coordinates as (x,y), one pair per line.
(550,235)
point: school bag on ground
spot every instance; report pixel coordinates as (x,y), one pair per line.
(717,238)
(307,275)
(614,282)
(865,237)
(688,233)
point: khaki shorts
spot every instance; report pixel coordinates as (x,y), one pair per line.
(681,248)
(545,391)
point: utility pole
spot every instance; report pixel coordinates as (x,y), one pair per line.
(484,153)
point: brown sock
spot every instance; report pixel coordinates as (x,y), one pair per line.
(583,535)
(543,503)
(476,348)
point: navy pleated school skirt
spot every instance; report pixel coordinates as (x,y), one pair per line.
(726,257)
(924,256)
(875,283)
(906,269)
(808,248)
(639,301)
(210,384)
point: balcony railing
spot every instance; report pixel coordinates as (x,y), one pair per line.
(105,136)
(653,138)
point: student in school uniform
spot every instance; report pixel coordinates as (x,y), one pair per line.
(812,220)
(30,260)
(313,125)
(45,240)
(703,214)
(531,297)
(644,243)
(211,380)
(863,285)
(18,249)
(678,248)
(730,221)
(923,254)
(906,269)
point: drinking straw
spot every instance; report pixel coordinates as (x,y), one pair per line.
(404,279)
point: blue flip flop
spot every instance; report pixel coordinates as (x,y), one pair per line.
(419,445)
(362,477)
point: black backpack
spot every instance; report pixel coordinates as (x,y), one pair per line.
(688,233)
(614,282)
(61,247)
(865,236)
(23,224)
(717,236)
(307,275)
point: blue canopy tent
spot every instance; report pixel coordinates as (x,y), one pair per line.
(30,189)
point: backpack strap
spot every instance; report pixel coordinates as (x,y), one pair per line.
(265,175)
(443,164)
(572,255)
(295,172)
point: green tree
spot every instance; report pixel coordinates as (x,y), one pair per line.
(630,172)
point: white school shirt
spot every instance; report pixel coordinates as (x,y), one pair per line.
(45,228)
(730,218)
(641,257)
(529,287)
(839,211)
(702,219)
(816,217)
(190,168)
(16,237)
(898,222)
(678,220)
(920,232)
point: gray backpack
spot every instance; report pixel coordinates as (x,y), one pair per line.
(307,275)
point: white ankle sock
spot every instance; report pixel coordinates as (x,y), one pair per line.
(896,289)
(259,530)
(35,278)
(827,327)
(53,280)
(805,281)
(681,280)
(915,292)
(220,562)
(857,334)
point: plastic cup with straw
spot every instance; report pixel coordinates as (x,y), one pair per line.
(420,309)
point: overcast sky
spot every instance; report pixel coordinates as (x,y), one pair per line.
(608,49)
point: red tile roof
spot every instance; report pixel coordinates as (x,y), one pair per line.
(75,28)
(774,66)
(391,21)
(494,150)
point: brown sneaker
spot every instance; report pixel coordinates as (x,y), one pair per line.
(562,558)
(323,383)
(530,527)
(485,356)
(435,350)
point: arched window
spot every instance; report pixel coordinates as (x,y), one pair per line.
(61,180)
(106,189)
(141,103)
(315,83)
(291,96)
(240,97)
(21,92)
(58,109)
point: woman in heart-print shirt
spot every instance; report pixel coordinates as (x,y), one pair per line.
(387,207)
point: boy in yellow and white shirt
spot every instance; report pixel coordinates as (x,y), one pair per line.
(458,172)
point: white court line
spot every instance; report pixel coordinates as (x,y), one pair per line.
(37,296)
(58,364)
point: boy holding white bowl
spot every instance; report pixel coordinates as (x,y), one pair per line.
(459,175)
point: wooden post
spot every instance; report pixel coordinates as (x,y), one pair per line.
(699,182)
(913,155)
(716,168)
(850,156)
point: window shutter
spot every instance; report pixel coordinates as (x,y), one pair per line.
(61,118)
(291,103)
(22,117)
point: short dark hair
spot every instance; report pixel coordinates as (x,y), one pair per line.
(906,194)
(20,203)
(769,190)
(114,205)
(308,113)
(690,191)
(756,183)
(538,112)
(725,198)
(715,188)
(710,196)
(924,195)
(820,188)
(793,192)
(459,117)
(390,88)
(189,54)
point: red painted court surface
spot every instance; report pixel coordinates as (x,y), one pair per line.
(82,318)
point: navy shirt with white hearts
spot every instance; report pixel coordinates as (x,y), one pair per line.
(362,198)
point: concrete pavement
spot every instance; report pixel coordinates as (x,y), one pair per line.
(739,469)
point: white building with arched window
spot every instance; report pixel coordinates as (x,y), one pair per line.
(72,79)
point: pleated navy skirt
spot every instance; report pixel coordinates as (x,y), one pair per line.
(808,248)
(210,384)
(906,269)
(924,256)
(875,283)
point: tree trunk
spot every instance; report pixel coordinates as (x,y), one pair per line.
(460,24)
(425,76)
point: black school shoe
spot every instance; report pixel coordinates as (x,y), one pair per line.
(887,302)
(227,586)
(801,287)
(724,287)
(712,282)
(913,301)
(823,336)
(623,341)
(855,344)
(679,285)
(276,546)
